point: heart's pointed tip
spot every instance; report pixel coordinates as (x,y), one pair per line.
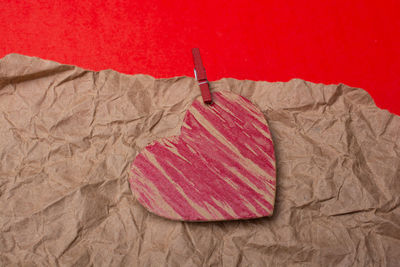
(199,218)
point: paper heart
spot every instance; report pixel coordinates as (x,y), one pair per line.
(221,166)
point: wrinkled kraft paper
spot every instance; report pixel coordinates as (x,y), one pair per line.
(69,136)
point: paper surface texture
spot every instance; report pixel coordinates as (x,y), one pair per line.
(68,137)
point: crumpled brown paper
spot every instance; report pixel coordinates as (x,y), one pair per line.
(68,137)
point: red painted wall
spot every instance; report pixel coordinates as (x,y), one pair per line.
(353,42)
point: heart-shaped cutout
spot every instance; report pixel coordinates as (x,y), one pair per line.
(221,166)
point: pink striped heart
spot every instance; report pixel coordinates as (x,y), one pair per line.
(221,166)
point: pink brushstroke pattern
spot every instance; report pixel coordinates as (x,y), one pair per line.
(221,167)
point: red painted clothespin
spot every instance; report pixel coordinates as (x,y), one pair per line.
(200,75)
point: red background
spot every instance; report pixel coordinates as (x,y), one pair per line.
(353,42)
